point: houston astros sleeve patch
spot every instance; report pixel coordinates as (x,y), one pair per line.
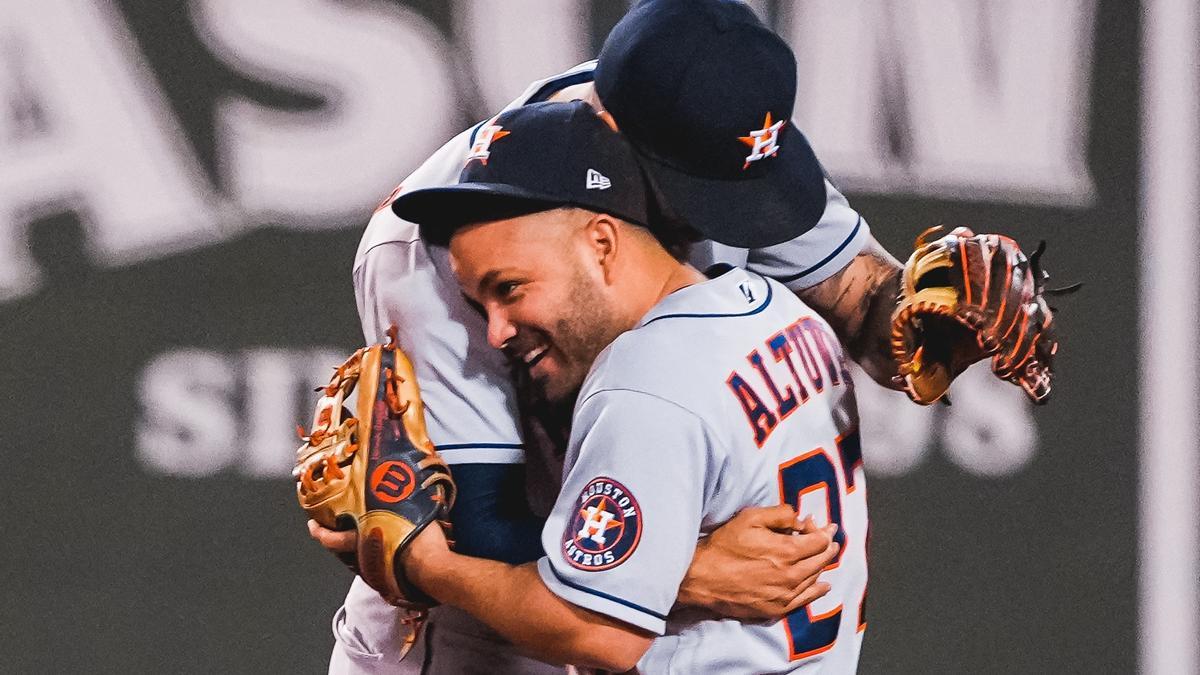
(606,528)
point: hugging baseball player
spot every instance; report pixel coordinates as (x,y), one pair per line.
(669,438)
(778,216)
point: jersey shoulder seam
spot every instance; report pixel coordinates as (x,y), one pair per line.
(406,242)
(362,257)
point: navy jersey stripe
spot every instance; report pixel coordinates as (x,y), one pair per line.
(752,312)
(464,446)
(831,256)
(606,596)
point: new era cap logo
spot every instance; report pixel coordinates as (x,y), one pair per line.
(597,180)
(763,142)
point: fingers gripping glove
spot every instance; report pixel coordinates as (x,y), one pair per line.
(377,472)
(965,297)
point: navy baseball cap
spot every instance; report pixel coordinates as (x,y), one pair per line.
(534,158)
(704,92)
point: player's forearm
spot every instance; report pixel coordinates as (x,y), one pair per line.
(515,603)
(858,302)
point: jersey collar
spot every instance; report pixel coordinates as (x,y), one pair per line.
(733,293)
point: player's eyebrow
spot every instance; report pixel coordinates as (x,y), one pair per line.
(486,281)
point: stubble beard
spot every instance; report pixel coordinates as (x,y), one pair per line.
(587,326)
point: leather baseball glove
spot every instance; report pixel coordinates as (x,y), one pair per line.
(377,472)
(965,297)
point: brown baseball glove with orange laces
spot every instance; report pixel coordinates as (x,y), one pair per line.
(375,470)
(965,297)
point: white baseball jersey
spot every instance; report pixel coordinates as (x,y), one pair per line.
(469,400)
(727,394)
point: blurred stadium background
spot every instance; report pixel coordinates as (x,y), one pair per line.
(183,185)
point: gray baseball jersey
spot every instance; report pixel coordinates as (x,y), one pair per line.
(470,403)
(728,394)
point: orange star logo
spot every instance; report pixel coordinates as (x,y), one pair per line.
(600,508)
(594,522)
(488,134)
(763,142)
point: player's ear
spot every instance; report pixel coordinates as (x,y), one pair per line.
(602,237)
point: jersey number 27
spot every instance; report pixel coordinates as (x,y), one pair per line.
(810,634)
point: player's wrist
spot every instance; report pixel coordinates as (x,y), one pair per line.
(426,562)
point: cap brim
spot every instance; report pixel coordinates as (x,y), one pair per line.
(776,206)
(441,211)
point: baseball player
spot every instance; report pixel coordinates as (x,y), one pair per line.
(471,405)
(702,396)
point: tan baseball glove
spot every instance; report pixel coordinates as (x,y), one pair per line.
(376,472)
(965,297)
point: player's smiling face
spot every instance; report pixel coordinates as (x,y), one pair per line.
(545,296)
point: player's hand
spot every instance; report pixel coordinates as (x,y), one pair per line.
(430,542)
(332,540)
(760,565)
(427,551)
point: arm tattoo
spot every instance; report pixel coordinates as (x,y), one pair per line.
(858,302)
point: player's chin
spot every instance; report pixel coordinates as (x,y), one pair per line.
(557,383)
(552,387)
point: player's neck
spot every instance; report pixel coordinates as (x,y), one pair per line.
(644,274)
(682,276)
(663,276)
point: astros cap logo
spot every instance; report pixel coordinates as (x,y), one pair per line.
(763,142)
(489,133)
(605,530)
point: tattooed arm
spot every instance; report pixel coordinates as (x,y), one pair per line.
(858,302)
